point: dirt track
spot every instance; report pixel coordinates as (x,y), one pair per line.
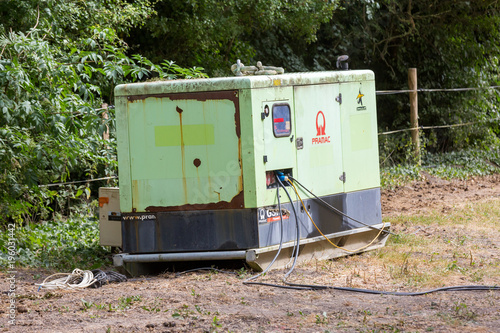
(210,301)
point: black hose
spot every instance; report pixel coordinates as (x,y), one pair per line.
(103,278)
(380,292)
(247,281)
(338,211)
(297,228)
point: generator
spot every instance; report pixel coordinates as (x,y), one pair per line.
(200,163)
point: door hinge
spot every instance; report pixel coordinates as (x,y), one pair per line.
(339,98)
(299,143)
(342,177)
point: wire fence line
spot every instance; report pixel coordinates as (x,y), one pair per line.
(438,126)
(394,92)
(378,92)
(79,181)
(406,91)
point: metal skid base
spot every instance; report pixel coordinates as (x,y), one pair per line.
(259,258)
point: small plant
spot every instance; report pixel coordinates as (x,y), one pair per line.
(124,302)
(454,266)
(461,311)
(322,319)
(154,307)
(86,305)
(64,309)
(215,324)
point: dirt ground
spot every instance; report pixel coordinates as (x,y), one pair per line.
(210,301)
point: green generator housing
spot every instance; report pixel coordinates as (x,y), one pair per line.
(197,160)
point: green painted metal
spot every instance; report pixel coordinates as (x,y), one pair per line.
(193,135)
(359,136)
(182,143)
(318,123)
(182,152)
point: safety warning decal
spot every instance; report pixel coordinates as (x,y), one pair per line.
(359,98)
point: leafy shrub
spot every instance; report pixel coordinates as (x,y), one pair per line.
(62,244)
(54,78)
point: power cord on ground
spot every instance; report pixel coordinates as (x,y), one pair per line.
(295,286)
(79,279)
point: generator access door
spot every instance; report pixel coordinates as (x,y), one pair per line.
(359,135)
(319,141)
(184,151)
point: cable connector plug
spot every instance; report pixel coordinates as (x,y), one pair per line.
(281,176)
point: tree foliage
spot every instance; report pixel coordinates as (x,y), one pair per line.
(451,43)
(214,33)
(54,77)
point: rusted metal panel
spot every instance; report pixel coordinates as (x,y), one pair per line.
(185,151)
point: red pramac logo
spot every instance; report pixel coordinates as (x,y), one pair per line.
(321,136)
(320,126)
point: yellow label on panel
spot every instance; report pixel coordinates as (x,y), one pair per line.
(277,82)
(190,135)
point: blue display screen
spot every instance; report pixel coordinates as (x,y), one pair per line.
(282,124)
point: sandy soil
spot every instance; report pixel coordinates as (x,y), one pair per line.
(207,301)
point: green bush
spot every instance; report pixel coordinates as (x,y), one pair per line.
(62,244)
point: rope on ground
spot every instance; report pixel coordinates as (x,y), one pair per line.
(79,279)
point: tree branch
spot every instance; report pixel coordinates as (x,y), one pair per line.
(37,20)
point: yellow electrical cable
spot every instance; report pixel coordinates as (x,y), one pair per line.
(338,247)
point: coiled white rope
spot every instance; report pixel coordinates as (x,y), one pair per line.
(78,279)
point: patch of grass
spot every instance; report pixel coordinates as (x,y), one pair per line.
(435,248)
(62,244)
(429,251)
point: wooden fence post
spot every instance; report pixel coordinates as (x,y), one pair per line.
(412,85)
(105,134)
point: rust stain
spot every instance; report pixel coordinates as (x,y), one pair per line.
(240,177)
(183,155)
(236,203)
(135,194)
(198,177)
(201,96)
